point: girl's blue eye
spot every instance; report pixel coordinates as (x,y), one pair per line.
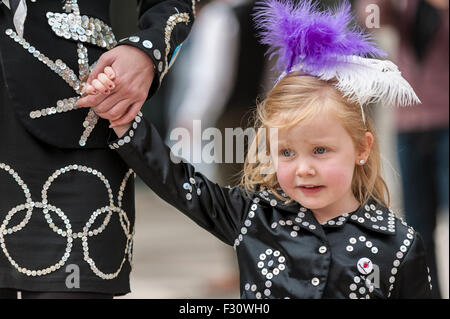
(286,153)
(320,150)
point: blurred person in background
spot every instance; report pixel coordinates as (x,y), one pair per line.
(223,70)
(422,140)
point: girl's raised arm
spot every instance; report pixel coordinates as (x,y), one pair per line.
(219,210)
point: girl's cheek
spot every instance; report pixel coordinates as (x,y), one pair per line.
(284,175)
(338,175)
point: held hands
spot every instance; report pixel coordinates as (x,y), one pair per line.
(104,84)
(118,86)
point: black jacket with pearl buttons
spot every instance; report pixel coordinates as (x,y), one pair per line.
(283,252)
(41,98)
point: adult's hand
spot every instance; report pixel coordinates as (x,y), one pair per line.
(134,72)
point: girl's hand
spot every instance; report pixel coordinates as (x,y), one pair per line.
(104,83)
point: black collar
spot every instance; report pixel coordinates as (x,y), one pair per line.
(372,215)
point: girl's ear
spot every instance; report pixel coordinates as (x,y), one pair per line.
(364,152)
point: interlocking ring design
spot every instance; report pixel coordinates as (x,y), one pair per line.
(67,233)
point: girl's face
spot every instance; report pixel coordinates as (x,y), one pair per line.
(316,160)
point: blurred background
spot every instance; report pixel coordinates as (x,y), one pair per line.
(220,73)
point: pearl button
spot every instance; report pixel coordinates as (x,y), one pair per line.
(157,54)
(315,281)
(322,249)
(148,44)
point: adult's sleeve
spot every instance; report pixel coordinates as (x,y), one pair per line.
(163,25)
(219,210)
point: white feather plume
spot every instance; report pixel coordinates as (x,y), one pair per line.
(367,81)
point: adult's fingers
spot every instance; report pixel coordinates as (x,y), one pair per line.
(129,116)
(108,103)
(115,112)
(91,100)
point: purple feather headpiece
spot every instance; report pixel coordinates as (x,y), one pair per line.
(303,34)
(325,44)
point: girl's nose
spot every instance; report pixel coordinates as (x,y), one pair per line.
(305,169)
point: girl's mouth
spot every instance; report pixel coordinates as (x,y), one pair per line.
(311,189)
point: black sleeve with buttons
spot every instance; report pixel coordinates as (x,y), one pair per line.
(163,25)
(413,270)
(282,250)
(220,210)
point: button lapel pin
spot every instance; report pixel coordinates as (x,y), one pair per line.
(365,266)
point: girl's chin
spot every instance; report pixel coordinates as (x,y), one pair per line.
(311,203)
(306,201)
(312,206)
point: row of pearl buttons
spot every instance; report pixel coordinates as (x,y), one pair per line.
(315,281)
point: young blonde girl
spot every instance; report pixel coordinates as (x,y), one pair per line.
(312,221)
(317,99)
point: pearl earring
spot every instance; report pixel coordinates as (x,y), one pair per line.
(361,162)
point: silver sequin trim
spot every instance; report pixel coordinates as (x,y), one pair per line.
(170,25)
(127,138)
